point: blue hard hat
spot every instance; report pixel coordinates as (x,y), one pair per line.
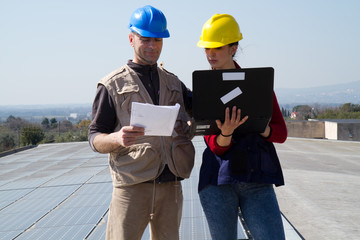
(149,22)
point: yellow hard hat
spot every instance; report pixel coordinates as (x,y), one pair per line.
(218,31)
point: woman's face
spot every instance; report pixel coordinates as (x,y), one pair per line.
(222,57)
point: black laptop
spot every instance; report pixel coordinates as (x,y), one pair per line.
(250,89)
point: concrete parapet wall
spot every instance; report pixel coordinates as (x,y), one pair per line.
(306,129)
(335,130)
(348,131)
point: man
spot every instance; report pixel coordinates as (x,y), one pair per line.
(146,170)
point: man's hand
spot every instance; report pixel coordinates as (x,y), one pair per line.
(128,134)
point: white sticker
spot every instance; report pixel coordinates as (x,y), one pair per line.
(202,127)
(231,95)
(231,76)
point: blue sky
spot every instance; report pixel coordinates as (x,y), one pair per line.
(55,51)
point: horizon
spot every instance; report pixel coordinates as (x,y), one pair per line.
(60,105)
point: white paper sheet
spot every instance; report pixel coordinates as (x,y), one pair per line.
(157,120)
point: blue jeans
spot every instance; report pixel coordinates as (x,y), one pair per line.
(257,203)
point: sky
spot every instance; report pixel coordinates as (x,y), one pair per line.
(55,51)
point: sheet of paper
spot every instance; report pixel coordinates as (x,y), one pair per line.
(157,120)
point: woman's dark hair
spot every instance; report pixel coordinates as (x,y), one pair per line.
(234,43)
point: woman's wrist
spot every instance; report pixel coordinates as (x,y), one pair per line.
(223,141)
(225,135)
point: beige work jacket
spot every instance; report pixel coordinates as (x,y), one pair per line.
(146,159)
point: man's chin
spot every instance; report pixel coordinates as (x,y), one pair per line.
(148,61)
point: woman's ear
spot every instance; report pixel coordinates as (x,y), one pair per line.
(233,49)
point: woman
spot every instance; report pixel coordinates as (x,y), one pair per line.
(239,170)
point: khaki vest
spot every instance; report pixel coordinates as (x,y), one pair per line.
(146,159)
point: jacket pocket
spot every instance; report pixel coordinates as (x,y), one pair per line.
(183,155)
(267,163)
(134,164)
(124,100)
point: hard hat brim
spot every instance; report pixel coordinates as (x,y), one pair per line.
(145,33)
(204,44)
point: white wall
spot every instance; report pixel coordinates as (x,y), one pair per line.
(331,130)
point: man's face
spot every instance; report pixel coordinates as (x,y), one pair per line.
(146,49)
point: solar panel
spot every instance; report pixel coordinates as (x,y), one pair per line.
(64,191)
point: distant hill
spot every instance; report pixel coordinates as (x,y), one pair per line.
(36,113)
(325,95)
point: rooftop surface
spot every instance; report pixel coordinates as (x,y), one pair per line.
(63,191)
(321,196)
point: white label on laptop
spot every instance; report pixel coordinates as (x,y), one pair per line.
(231,95)
(228,76)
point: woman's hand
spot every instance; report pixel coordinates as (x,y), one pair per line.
(230,124)
(266,133)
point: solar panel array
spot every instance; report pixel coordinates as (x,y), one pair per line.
(63,191)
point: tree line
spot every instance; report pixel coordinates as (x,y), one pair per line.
(345,111)
(17,132)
